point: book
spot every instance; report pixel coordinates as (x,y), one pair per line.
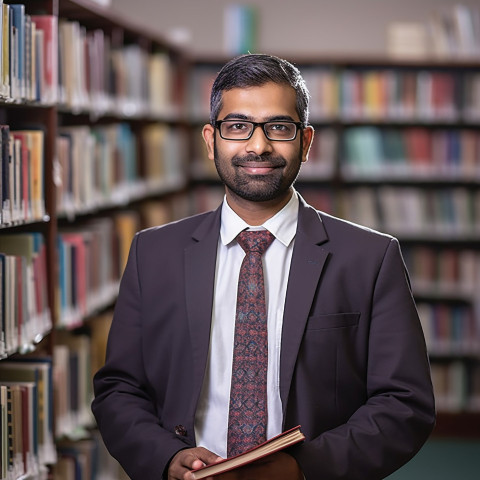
(33,140)
(283,440)
(5,27)
(48,24)
(18,60)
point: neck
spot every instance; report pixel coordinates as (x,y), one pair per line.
(256,213)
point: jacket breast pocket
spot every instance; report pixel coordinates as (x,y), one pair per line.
(333,321)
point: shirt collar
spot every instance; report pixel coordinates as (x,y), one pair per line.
(282,225)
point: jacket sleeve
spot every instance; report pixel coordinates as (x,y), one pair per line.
(399,413)
(123,406)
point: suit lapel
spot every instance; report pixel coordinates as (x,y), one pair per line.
(200,260)
(308,260)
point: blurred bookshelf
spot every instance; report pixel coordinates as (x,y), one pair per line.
(92,143)
(396,148)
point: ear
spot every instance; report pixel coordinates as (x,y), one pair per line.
(308,133)
(208,134)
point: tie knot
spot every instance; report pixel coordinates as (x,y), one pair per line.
(255,241)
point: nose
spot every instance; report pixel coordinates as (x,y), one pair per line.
(258,143)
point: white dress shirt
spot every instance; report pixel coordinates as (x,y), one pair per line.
(211,419)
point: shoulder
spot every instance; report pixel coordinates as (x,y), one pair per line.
(179,231)
(341,234)
(333,223)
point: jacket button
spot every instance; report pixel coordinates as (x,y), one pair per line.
(181,430)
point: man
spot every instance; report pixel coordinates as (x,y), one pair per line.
(346,354)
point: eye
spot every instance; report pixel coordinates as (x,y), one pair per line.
(281,129)
(237,126)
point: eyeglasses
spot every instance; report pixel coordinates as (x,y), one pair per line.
(282,131)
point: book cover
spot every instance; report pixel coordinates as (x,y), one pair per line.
(275,444)
(5,160)
(5,86)
(3,323)
(4,423)
(18,22)
(34,140)
(48,24)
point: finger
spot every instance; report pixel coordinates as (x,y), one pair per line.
(198,464)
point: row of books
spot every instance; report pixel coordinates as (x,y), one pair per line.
(456,386)
(22,174)
(450,329)
(378,94)
(27,58)
(77,356)
(49,61)
(110,165)
(97,75)
(405,211)
(443,272)
(86,459)
(384,94)
(25,312)
(429,154)
(38,439)
(91,260)
(26,390)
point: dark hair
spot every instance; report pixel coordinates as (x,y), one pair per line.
(254,70)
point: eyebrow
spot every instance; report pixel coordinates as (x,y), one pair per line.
(274,118)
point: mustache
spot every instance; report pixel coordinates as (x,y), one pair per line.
(273,161)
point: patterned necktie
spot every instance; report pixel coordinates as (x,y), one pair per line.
(247,421)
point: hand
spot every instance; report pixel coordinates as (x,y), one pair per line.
(280,466)
(189,459)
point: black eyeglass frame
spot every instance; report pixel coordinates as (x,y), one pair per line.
(298,125)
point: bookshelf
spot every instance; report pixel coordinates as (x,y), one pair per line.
(92,143)
(396,148)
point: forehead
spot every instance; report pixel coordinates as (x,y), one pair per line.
(263,102)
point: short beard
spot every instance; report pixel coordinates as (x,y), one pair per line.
(258,188)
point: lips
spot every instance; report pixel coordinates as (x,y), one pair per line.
(257,169)
(259,165)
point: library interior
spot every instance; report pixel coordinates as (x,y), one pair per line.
(102,105)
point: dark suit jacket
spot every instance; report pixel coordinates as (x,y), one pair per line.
(354,371)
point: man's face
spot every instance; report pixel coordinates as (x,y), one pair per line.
(258,169)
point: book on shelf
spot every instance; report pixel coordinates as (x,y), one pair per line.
(36,371)
(127,223)
(99,327)
(6,169)
(73,391)
(160,83)
(25,312)
(280,442)
(31,150)
(455,31)
(48,53)
(5,52)
(89,269)
(17,50)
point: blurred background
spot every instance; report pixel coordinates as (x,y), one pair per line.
(102,104)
